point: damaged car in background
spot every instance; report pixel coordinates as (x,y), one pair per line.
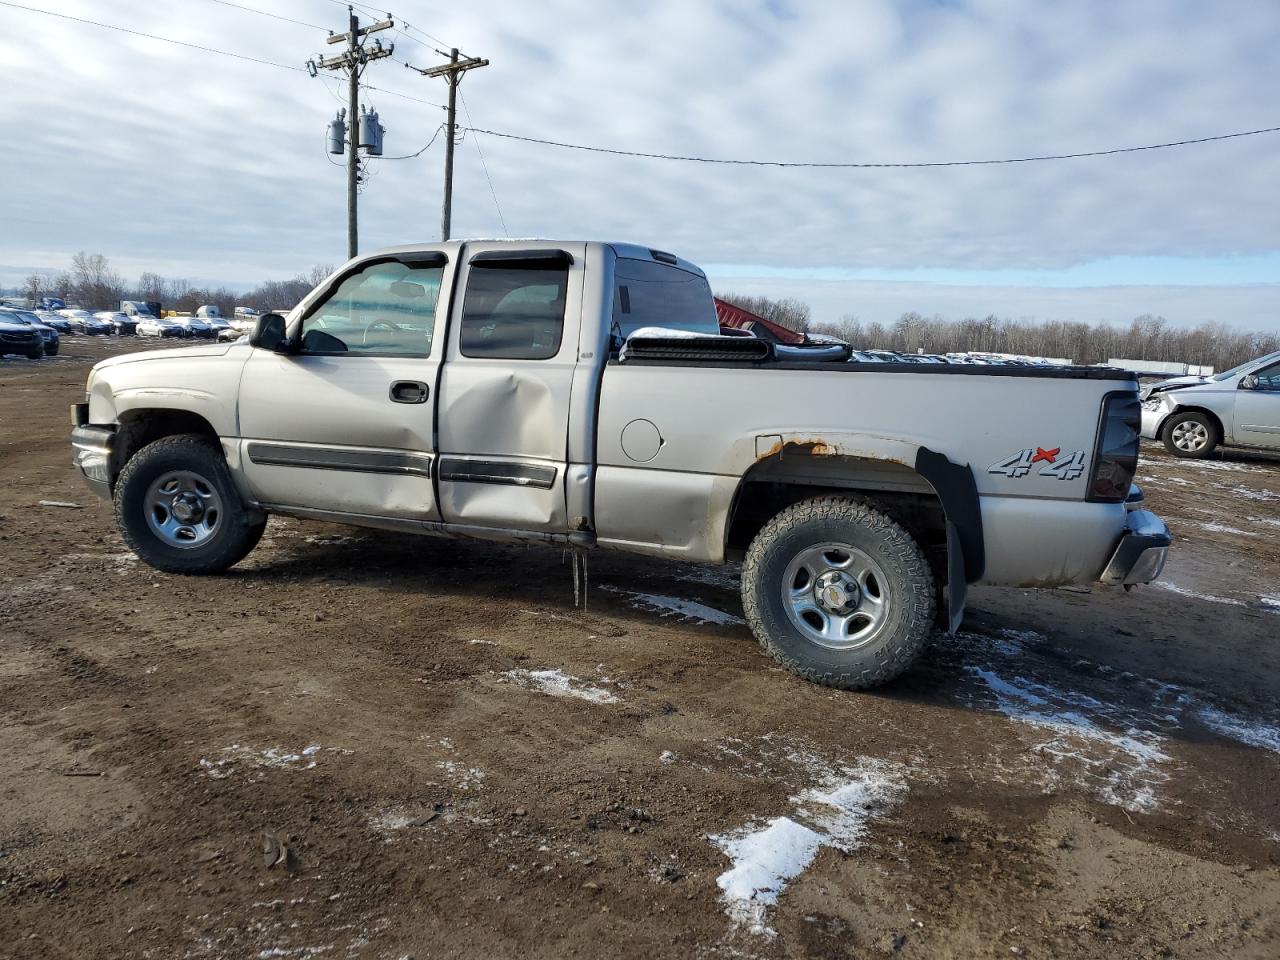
(561,393)
(1193,416)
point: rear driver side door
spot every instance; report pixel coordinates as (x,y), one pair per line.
(344,425)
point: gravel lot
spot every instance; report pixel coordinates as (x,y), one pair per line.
(359,744)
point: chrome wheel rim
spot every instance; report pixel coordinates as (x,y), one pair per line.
(183,509)
(836,596)
(1190,436)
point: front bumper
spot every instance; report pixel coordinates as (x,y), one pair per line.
(1142,551)
(91,450)
(1153,415)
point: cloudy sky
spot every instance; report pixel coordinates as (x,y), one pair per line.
(196,165)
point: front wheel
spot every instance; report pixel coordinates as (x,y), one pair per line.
(838,593)
(178,509)
(1191,434)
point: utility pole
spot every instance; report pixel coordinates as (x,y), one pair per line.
(452,72)
(353,61)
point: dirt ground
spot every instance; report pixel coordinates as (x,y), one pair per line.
(358,744)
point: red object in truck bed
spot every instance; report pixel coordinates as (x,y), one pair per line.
(735,318)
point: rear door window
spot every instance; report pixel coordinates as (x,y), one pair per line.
(514,309)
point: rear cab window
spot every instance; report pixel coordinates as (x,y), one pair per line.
(651,294)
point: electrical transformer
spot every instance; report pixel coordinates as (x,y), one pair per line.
(371,132)
(338,132)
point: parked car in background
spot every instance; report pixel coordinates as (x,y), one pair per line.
(121,324)
(20,338)
(195,326)
(82,321)
(232,332)
(48,334)
(55,320)
(219,326)
(161,327)
(1193,416)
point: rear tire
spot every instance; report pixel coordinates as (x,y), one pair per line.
(178,508)
(1191,435)
(838,593)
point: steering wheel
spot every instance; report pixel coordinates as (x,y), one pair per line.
(378,324)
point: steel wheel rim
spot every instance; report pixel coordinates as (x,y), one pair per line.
(1190,436)
(183,509)
(836,595)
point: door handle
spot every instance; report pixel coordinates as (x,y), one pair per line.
(409,391)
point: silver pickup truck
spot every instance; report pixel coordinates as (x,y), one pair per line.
(581,394)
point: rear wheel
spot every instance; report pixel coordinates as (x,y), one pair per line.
(178,509)
(838,593)
(1191,434)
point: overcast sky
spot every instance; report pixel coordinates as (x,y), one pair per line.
(196,165)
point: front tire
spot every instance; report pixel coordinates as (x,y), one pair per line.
(838,593)
(1192,435)
(178,508)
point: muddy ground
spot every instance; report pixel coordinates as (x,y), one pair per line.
(359,744)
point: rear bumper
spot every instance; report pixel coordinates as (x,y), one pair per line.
(1142,551)
(91,450)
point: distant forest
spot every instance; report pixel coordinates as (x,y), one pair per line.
(93,283)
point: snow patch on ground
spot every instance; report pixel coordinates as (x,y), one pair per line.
(1183,591)
(1268,521)
(767,856)
(1212,465)
(1253,733)
(1223,528)
(1250,494)
(726,577)
(678,607)
(557,683)
(1128,764)
(277,758)
(463,776)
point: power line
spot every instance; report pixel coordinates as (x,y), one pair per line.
(485,166)
(414,156)
(151,36)
(396,93)
(273,16)
(861,166)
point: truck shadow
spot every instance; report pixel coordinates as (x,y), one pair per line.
(1121,662)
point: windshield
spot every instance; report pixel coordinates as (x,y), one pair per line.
(1236,371)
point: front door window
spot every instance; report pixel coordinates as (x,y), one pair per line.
(386,309)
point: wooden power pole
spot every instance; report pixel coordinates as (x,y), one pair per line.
(353,61)
(452,72)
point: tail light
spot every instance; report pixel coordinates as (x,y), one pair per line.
(1115,459)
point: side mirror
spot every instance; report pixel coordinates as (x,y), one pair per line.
(269,333)
(1249,382)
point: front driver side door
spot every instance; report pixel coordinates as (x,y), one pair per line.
(345,424)
(1257,418)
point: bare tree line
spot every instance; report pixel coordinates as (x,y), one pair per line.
(1146,337)
(91,283)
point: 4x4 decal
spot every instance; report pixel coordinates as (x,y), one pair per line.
(1056,464)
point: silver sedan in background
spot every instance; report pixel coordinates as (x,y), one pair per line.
(1193,416)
